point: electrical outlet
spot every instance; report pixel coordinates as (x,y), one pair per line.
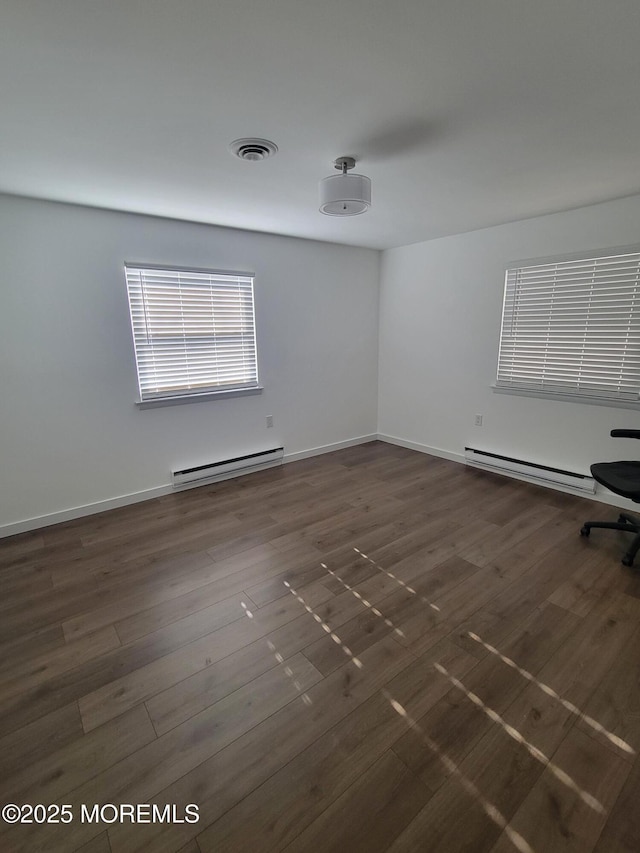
(478,420)
(269,420)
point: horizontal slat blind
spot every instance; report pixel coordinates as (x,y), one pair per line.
(573,327)
(193,331)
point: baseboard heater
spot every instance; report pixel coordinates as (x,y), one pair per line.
(225,469)
(528,470)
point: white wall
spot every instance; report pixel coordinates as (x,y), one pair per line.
(70,434)
(440,314)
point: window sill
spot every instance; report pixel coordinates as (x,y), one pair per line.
(197,398)
(611,402)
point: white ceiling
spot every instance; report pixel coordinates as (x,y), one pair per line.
(464,113)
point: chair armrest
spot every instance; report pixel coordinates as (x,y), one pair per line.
(625,433)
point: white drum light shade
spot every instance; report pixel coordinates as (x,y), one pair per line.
(345,195)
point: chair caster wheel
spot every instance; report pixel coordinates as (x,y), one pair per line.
(585,531)
(627,561)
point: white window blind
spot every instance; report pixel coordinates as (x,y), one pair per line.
(573,327)
(193,331)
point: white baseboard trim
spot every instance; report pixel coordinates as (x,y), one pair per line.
(422,448)
(80,511)
(158,492)
(329,448)
(604,496)
(601,495)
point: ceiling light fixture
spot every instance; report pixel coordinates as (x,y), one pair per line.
(343,194)
(253,150)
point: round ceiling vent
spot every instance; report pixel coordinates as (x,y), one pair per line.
(253,150)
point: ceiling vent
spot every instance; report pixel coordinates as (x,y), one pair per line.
(253,150)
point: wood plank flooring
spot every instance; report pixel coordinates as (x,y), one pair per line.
(370,650)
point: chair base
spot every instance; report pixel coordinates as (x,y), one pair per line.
(626,523)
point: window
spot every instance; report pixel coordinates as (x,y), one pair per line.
(573,328)
(193,331)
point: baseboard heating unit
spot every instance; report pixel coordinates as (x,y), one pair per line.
(528,470)
(225,469)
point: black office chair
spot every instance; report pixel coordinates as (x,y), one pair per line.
(622,478)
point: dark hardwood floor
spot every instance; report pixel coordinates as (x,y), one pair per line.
(371,650)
